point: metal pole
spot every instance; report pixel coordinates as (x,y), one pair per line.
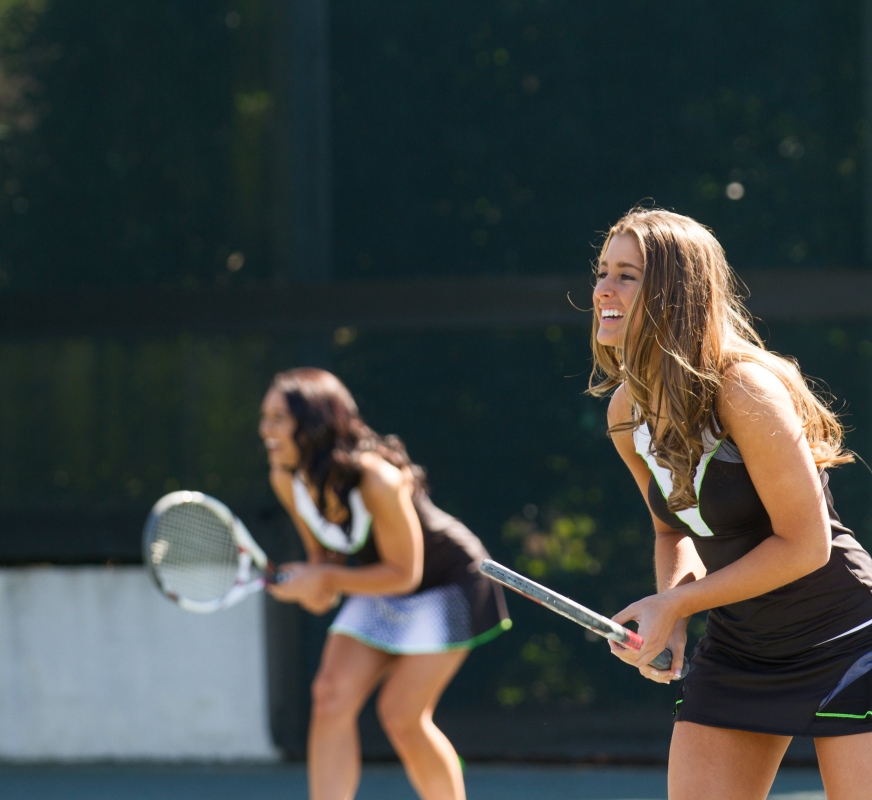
(294,638)
(867,131)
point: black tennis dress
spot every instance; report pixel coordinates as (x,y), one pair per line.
(796,661)
(455,607)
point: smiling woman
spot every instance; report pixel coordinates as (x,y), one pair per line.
(416,602)
(618,278)
(730,449)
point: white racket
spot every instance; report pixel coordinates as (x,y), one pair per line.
(201,555)
(574,611)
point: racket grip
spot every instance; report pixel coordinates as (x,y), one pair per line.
(273,576)
(664,661)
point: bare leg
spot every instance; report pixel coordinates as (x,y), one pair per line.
(846,765)
(348,673)
(707,763)
(405,707)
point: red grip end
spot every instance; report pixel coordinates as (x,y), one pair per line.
(634,641)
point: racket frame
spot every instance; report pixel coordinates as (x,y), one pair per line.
(254,570)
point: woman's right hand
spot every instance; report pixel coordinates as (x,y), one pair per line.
(677,644)
(660,629)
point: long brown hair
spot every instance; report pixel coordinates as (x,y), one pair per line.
(331,434)
(692,326)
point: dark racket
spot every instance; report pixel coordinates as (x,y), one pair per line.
(200,554)
(574,611)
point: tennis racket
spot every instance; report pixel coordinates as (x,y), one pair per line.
(201,555)
(574,611)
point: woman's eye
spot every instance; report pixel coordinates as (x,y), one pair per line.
(626,277)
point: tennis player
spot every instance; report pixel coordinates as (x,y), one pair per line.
(415,605)
(730,449)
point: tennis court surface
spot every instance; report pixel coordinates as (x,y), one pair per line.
(380,782)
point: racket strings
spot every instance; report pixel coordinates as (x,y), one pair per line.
(193,553)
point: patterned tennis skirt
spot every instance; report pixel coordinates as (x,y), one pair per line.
(434,620)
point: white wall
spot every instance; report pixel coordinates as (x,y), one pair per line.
(95,663)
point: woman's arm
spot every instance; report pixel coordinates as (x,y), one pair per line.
(756,410)
(675,558)
(387,494)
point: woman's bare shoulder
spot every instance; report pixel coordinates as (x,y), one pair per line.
(754,402)
(379,476)
(750,387)
(620,412)
(620,407)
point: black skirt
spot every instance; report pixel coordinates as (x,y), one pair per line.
(823,691)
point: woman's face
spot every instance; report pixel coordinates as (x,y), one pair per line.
(618,281)
(277,427)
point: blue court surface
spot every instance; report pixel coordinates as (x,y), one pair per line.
(380,782)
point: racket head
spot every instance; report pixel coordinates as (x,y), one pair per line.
(199,554)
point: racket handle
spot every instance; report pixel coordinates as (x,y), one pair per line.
(664,661)
(273,576)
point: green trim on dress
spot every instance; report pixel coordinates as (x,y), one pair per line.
(843,716)
(469,644)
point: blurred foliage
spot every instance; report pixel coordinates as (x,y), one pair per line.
(561,548)
(138,143)
(145,144)
(500,136)
(542,673)
(99,425)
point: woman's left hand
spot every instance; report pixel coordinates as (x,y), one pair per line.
(305,584)
(660,626)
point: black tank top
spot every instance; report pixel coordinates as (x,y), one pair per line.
(730,521)
(452,552)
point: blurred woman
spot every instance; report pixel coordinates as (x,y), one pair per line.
(415,605)
(730,449)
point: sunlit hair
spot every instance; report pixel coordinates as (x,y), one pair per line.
(331,434)
(692,326)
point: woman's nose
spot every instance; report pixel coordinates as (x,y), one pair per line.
(603,288)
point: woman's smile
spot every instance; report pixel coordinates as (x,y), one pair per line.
(277,428)
(618,280)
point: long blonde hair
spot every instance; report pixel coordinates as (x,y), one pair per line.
(692,328)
